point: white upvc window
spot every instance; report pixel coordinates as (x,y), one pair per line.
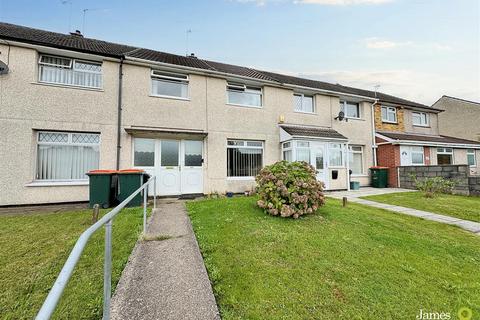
(471,158)
(302,151)
(420,119)
(389,114)
(244,158)
(303,103)
(166,84)
(356,159)
(335,152)
(287,153)
(444,156)
(350,109)
(243,95)
(70,72)
(66,156)
(417,157)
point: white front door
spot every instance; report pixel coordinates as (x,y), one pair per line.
(177,164)
(168,176)
(191,167)
(318,161)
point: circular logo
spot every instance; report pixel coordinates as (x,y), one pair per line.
(465,313)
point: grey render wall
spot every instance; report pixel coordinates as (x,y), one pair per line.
(465,184)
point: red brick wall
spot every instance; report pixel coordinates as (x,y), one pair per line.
(426,156)
(389,156)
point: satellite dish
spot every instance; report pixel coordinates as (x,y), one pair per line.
(341,116)
(3,68)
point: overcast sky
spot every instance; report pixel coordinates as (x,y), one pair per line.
(416,49)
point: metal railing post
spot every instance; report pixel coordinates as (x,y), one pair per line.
(107,271)
(50,303)
(145,211)
(154,192)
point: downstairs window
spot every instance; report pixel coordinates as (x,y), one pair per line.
(66,155)
(244,158)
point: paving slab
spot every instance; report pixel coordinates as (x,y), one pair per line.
(354,196)
(165,277)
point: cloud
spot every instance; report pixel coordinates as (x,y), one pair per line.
(383,44)
(409,84)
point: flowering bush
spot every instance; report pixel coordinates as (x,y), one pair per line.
(289,189)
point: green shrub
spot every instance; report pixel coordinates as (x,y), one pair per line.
(289,189)
(432,186)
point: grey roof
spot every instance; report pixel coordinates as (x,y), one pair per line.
(426,138)
(318,132)
(87,45)
(62,41)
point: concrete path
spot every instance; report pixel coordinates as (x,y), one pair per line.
(165,278)
(354,196)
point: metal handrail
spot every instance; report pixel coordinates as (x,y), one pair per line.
(56,292)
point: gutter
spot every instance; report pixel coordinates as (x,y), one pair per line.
(119,112)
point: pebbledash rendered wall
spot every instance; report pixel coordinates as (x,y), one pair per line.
(466,184)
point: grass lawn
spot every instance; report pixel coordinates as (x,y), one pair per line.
(462,207)
(33,249)
(341,263)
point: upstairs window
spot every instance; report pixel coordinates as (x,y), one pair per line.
(471,158)
(70,72)
(420,119)
(65,156)
(169,84)
(303,103)
(389,114)
(350,109)
(244,95)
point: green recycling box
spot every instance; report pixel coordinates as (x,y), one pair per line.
(379,177)
(102,188)
(128,182)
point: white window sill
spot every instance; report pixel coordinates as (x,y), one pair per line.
(305,112)
(358,175)
(421,126)
(349,118)
(58,85)
(168,97)
(241,178)
(39,183)
(244,106)
(390,122)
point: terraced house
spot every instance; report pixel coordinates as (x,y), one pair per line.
(409,136)
(69,104)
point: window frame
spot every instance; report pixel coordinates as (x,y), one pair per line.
(169,77)
(245,146)
(351,152)
(244,88)
(71,66)
(342,153)
(445,152)
(421,124)
(389,110)
(471,152)
(302,96)
(412,151)
(69,142)
(343,107)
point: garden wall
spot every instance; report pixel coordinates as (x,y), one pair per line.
(465,184)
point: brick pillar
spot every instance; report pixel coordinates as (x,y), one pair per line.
(426,156)
(389,156)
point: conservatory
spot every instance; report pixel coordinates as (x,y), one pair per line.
(324,148)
